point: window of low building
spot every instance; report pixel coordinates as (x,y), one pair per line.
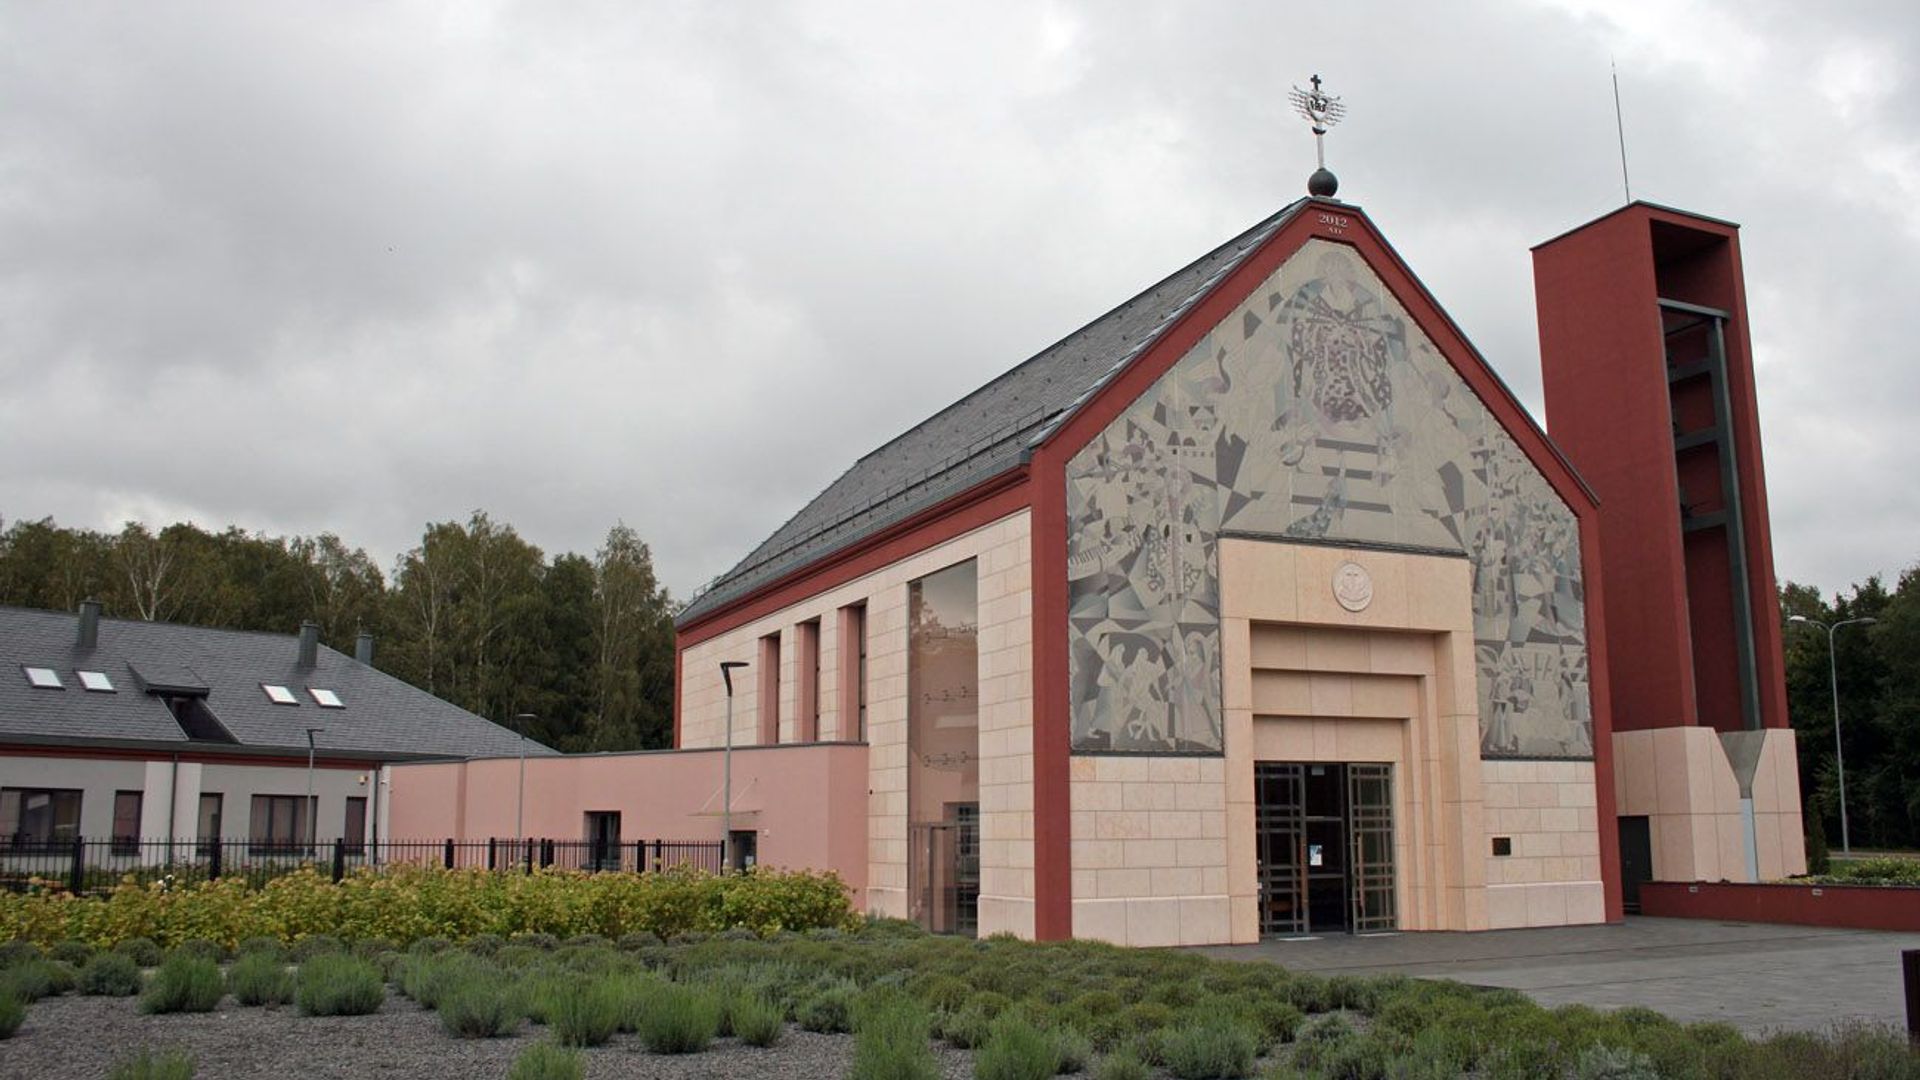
(279,823)
(39,816)
(126,822)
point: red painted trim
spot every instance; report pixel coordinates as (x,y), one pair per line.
(983,504)
(102,753)
(679,681)
(1052,704)
(1856,907)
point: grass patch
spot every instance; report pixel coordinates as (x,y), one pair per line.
(755,1020)
(582,1012)
(1016,1050)
(677,1019)
(183,983)
(260,978)
(37,978)
(480,1008)
(147,1065)
(1211,1050)
(143,951)
(13,1013)
(334,984)
(890,1041)
(546,1061)
(110,975)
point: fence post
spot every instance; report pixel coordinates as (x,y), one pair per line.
(449,853)
(659,852)
(1910,970)
(339,860)
(493,853)
(77,879)
(217,850)
(546,852)
(526,845)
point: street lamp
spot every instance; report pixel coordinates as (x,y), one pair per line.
(520,802)
(726,787)
(1833,680)
(313,823)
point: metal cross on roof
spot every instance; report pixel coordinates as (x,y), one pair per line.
(1322,110)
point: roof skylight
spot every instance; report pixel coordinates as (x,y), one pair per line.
(45,677)
(279,695)
(326,699)
(96,680)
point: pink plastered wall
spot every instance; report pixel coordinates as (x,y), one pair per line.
(808,803)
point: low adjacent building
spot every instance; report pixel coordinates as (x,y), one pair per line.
(134,732)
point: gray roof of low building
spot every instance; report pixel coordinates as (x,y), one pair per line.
(983,435)
(382,717)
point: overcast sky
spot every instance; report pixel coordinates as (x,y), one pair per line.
(357,267)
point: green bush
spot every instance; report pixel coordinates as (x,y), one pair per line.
(13,1012)
(429,946)
(582,1012)
(1073,1051)
(36,979)
(755,1020)
(1211,1050)
(1122,1066)
(183,983)
(890,1041)
(261,945)
(480,1008)
(334,984)
(110,975)
(545,1061)
(201,947)
(141,950)
(146,1065)
(76,953)
(14,953)
(485,945)
(1600,1062)
(311,945)
(260,978)
(426,979)
(1016,1050)
(828,1007)
(678,1020)
(1878,870)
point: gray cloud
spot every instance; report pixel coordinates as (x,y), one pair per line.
(681,264)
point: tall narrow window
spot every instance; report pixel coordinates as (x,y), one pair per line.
(807,683)
(853,673)
(210,805)
(353,835)
(769,704)
(943,749)
(126,823)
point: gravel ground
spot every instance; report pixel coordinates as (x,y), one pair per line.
(84,1036)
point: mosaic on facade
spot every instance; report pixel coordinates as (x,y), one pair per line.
(1317,410)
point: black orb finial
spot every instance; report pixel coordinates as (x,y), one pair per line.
(1322,184)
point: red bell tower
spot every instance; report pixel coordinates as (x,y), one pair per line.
(1648,368)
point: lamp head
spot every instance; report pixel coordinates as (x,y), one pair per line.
(726,672)
(1796,618)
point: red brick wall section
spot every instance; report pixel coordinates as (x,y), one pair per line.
(1853,907)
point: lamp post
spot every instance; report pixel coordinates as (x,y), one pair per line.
(520,800)
(726,784)
(1833,681)
(313,823)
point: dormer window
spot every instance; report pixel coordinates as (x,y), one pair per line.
(45,677)
(279,695)
(96,681)
(326,699)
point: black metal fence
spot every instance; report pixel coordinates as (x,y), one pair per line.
(94,866)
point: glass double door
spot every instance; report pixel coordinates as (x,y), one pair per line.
(943,876)
(1324,841)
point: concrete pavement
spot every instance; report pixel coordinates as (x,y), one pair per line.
(1757,977)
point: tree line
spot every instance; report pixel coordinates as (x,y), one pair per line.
(1878,665)
(474,613)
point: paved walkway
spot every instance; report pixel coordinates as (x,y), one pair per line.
(1757,977)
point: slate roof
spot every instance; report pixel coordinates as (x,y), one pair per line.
(383,717)
(984,434)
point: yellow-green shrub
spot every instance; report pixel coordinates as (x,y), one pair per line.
(405,903)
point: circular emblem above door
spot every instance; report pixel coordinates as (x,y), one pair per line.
(1352,586)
